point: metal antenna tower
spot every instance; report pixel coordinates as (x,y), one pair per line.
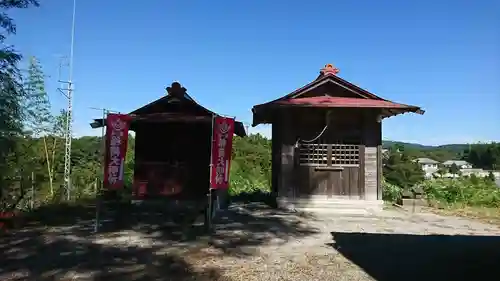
(68,92)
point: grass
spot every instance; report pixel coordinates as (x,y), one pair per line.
(485,214)
(472,198)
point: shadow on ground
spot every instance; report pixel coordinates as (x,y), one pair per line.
(39,258)
(58,242)
(388,257)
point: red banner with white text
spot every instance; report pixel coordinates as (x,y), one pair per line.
(222,144)
(117,126)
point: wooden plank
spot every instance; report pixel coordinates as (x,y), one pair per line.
(336,186)
(332,184)
(354,183)
(338,180)
(371,165)
(329,185)
(379,172)
(319,183)
(329,155)
(170,117)
(345,181)
(361,174)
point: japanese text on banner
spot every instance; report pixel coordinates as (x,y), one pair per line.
(116,148)
(221,151)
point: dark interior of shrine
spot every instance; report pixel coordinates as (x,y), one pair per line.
(172,159)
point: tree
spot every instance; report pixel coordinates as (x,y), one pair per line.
(454,169)
(490,177)
(401,171)
(36,105)
(11,90)
(38,119)
(485,156)
(442,171)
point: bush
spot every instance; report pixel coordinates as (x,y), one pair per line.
(250,166)
(391,192)
(466,191)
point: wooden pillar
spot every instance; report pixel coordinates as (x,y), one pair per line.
(276,158)
(286,185)
(371,156)
(379,158)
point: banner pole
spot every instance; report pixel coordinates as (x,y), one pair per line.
(98,190)
(210,190)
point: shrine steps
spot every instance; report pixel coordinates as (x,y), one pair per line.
(332,205)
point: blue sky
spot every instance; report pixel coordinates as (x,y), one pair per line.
(441,55)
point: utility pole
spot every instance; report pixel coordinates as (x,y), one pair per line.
(67,91)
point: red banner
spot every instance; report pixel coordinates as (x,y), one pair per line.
(222,144)
(116,149)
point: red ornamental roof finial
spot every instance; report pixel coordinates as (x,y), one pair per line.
(329,69)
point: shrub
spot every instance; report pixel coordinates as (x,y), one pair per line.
(250,166)
(391,192)
(466,191)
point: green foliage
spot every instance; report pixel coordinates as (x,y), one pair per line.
(391,192)
(11,93)
(490,177)
(454,169)
(36,106)
(470,191)
(400,170)
(439,153)
(250,165)
(485,156)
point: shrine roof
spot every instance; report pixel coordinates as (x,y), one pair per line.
(310,96)
(176,106)
(329,101)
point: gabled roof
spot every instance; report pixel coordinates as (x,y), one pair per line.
(426,161)
(177,100)
(456,162)
(330,101)
(328,76)
(177,105)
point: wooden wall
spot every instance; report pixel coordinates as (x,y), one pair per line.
(290,180)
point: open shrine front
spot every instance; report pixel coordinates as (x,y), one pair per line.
(173,147)
(173,142)
(172,159)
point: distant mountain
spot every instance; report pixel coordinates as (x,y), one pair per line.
(449,147)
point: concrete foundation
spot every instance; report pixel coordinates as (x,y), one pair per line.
(340,205)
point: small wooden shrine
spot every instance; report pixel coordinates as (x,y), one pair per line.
(172,146)
(327,139)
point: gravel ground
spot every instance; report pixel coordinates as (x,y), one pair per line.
(252,242)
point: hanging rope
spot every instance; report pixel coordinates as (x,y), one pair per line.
(318,136)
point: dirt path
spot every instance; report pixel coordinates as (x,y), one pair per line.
(253,242)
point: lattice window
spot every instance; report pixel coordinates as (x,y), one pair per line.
(313,154)
(345,154)
(316,154)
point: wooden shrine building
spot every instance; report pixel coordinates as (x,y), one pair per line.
(172,146)
(326,140)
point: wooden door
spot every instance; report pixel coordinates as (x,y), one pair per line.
(331,170)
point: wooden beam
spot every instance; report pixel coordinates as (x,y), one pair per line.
(170,117)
